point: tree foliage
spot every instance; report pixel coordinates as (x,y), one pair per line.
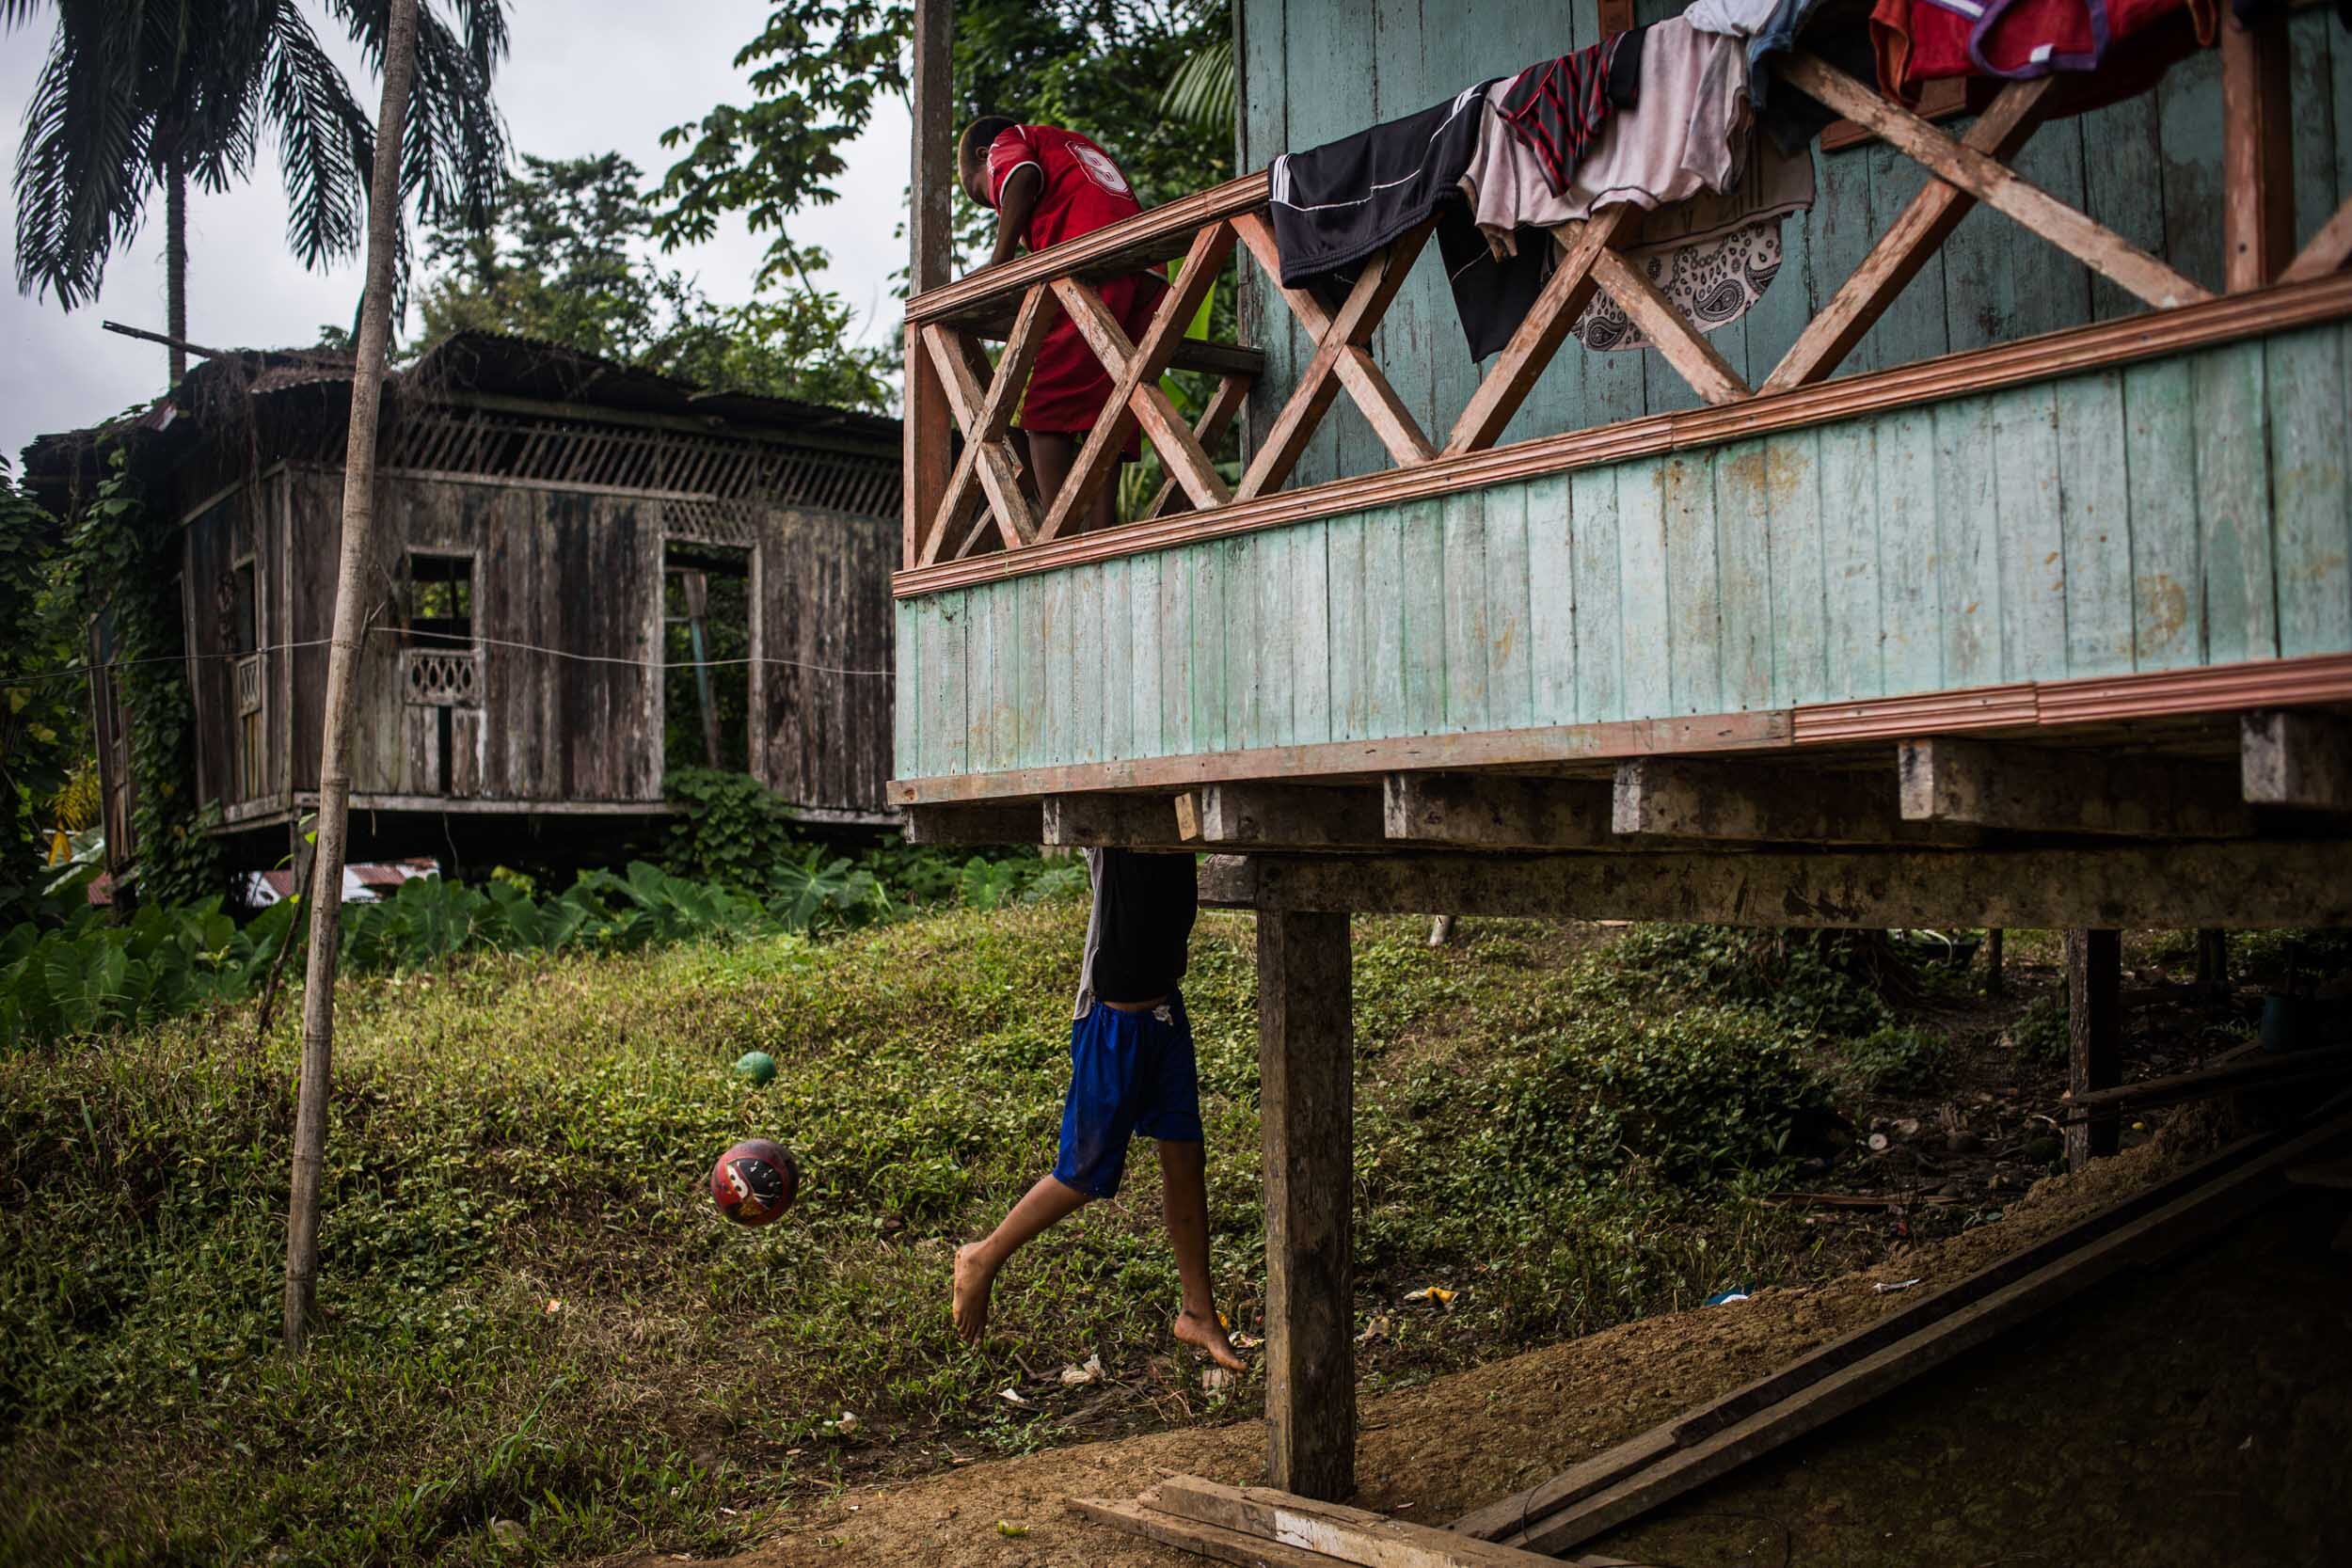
(1099,66)
(563,254)
(133,98)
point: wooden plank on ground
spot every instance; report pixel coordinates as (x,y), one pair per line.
(2187,1219)
(1339,1533)
(1981,784)
(2303,760)
(2242,885)
(1191,1535)
(1517,1513)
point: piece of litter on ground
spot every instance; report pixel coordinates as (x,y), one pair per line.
(1012,1532)
(1724,1298)
(555,1305)
(1079,1376)
(1012,1396)
(1377,1329)
(1216,1379)
(1247,1342)
(848,1424)
(1884,1288)
(1437,1294)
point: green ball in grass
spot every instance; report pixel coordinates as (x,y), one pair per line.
(756,1067)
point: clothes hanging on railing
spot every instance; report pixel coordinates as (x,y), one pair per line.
(1555,108)
(1711,254)
(1922,40)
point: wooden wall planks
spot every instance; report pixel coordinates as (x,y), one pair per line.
(2148,518)
(2148,167)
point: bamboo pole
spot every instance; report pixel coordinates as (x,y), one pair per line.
(343,658)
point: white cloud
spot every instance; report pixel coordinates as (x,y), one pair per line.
(585,76)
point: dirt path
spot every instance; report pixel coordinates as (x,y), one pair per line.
(1429,1453)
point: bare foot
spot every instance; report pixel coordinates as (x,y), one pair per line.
(1207,1334)
(973,1281)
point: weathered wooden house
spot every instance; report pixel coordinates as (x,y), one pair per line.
(584,574)
(1992,570)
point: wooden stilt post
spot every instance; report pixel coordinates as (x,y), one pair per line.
(2213,963)
(369,367)
(932,239)
(1996,983)
(2094,983)
(1306,1050)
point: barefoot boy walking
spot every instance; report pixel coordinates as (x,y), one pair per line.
(1131,1070)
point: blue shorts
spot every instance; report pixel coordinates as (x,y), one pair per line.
(1129,1073)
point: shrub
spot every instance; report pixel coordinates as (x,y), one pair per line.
(2039,1034)
(1818,982)
(1895,1060)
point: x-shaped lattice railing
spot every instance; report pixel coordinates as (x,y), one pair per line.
(1966,171)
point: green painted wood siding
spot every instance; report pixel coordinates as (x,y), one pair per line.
(2182,512)
(2150,168)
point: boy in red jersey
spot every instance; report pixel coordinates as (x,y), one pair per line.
(1047,184)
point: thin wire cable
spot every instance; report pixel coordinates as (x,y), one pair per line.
(75,671)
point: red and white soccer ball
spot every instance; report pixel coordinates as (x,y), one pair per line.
(754,1181)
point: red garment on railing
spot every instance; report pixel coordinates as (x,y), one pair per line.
(1919,40)
(1083,191)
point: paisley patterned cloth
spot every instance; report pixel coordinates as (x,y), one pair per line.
(1712,283)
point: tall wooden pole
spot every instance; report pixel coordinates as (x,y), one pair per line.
(342,661)
(2094,1021)
(931,230)
(1306,1074)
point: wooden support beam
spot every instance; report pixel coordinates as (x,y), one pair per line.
(1107,821)
(1996,981)
(2201,1211)
(1983,784)
(1497,811)
(2263,1069)
(1338,1532)
(2291,758)
(2257,152)
(1915,235)
(988,459)
(2213,963)
(1305,1073)
(1014,822)
(1231,392)
(1390,421)
(1688,798)
(930,238)
(2244,884)
(1340,343)
(2094,1036)
(2326,251)
(1299,816)
(1680,343)
(1996,185)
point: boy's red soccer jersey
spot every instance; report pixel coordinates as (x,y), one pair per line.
(1083,190)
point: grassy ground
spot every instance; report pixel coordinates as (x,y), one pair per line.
(540,1342)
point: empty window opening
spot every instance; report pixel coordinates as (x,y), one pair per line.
(707,644)
(244,609)
(440,601)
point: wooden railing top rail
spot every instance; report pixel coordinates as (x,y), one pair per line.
(986,501)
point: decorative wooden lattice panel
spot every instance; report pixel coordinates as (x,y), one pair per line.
(497,443)
(734,524)
(250,684)
(434,677)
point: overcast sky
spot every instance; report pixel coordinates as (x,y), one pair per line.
(585,76)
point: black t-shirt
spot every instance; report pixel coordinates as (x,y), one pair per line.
(1137,938)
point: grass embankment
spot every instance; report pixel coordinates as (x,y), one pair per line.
(540,1342)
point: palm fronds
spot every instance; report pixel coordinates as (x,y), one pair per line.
(1202,95)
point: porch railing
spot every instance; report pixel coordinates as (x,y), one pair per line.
(986,503)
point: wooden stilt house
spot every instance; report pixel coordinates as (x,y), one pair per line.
(586,576)
(1992,570)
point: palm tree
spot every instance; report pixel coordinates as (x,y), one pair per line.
(141,95)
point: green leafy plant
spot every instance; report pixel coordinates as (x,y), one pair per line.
(1896,1060)
(2040,1035)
